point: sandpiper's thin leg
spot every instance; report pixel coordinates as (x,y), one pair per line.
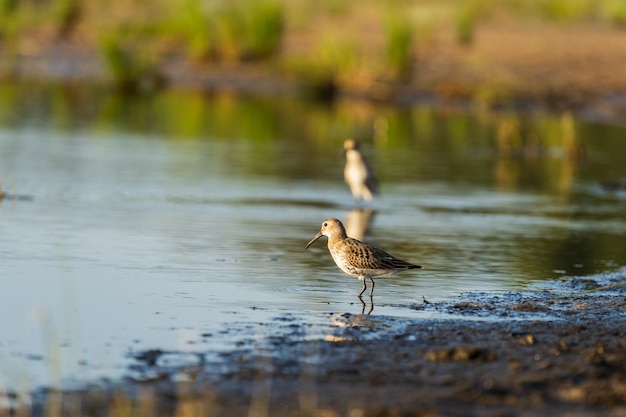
(363,289)
(371,289)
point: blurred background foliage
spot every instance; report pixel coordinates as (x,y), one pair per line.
(328,44)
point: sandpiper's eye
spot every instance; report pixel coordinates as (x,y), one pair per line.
(325,224)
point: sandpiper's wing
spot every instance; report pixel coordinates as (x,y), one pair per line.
(365,256)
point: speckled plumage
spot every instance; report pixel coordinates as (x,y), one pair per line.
(358,174)
(357,258)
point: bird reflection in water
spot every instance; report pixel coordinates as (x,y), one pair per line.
(358,222)
(358,174)
(347,327)
(364,305)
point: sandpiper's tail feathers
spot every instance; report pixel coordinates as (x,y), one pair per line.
(395,263)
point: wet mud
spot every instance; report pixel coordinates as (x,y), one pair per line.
(558,349)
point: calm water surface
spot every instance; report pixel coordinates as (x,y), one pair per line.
(179,222)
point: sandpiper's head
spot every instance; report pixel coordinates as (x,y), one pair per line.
(330,227)
(349,144)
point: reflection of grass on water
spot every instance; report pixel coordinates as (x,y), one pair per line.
(542,151)
(187,115)
(132,67)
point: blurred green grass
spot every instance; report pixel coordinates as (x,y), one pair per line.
(326,44)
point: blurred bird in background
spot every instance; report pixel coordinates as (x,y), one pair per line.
(358,174)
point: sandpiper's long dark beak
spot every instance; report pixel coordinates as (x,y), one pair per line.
(317,236)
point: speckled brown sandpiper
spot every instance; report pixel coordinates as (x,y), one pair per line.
(358,174)
(357,258)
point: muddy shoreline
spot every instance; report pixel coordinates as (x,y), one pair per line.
(557,351)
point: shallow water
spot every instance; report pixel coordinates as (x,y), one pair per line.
(178,222)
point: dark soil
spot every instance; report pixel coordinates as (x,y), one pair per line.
(539,353)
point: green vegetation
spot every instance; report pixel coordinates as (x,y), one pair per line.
(66,14)
(570,11)
(333,63)
(133,68)
(467,19)
(229,31)
(7,18)
(399,43)
(328,46)
(336,56)
(191,23)
(615,12)
(263,28)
